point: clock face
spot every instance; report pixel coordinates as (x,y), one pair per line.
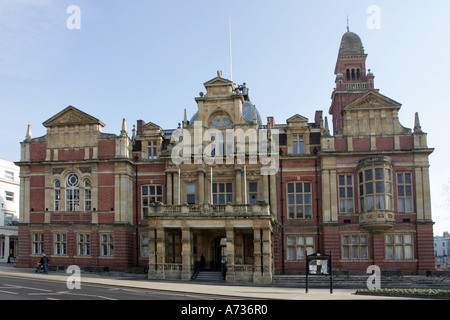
(221,122)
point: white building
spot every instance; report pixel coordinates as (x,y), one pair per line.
(9,209)
(442,250)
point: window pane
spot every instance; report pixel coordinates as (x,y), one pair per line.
(389,239)
(298,187)
(408,253)
(379,174)
(290,188)
(307,187)
(368,175)
(401,205)
(342,180)
(408,178)
(191,188)
(409,205)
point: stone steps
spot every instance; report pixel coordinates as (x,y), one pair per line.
(209,276)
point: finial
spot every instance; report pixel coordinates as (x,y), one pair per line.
(123,132)
(219,73)
(29,135)
(348,25)
(417,127)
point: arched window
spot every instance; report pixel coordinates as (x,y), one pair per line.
(57,195)
(358,74)
(87,195)
(348,74)
(353,74)
(72,193)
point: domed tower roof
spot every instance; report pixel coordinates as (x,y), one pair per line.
(351,44)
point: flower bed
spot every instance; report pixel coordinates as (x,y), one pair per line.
(410,293)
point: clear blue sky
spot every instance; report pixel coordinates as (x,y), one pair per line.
(148,60)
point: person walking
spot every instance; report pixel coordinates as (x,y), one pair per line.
(44,261)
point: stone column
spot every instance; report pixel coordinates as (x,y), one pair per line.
(160,253)
(257,246)
(267,255)
(201,187)
(152,253)
(176,181)
(265,188)
(273,194)
(230,254)
(186,253)
(238,186)
(169,188)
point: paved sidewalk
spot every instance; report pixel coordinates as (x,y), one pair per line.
(231,290)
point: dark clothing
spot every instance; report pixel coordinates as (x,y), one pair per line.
(44,261)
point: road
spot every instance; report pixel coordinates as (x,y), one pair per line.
(16,288)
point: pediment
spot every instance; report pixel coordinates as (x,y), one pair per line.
(151,126)
(71,116)
(372,100)
(218,81)
(297,120)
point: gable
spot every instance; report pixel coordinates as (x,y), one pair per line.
(297,121)
(71,116)
(372,100)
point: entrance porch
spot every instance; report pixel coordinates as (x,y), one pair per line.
(242,247)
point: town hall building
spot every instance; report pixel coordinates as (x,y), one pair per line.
(229,192)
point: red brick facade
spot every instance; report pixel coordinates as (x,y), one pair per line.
(324,198)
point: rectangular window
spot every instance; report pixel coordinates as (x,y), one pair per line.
(399,247)
(84,244)
(346,194)
(355,247)
(152,150)
(72,199)
(107,245)
(404,192)
(190,193)
(222,193)
(60,244)
(38,243)
(151,194)
(253,192)
(299,200)
(297,144)
(9,196)
(144,247)
(9,175)
(298,247)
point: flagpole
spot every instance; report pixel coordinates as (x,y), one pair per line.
(179,186)
(231,54)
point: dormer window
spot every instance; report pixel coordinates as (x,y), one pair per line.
(152,150)
(297,144)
